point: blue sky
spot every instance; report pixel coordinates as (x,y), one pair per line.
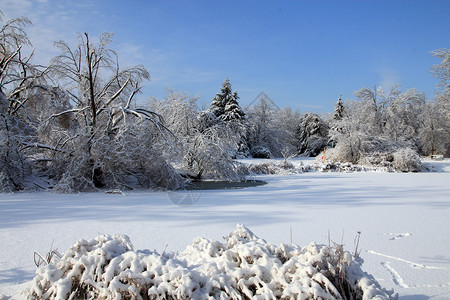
(303,54)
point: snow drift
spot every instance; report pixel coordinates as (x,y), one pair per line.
(244,267)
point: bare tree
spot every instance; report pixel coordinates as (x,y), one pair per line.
(436,133)
(442,70)
(102,106)
(378,125)
(375,102)
(403,116)
(18,78)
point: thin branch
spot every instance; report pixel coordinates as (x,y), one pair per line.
(66,112)
(42,146)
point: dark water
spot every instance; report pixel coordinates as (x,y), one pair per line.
(223,185)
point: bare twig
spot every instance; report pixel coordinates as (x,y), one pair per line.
(357,253)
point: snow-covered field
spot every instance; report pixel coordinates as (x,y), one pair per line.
(404,220)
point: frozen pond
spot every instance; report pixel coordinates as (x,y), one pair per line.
(403,219)
(224,185)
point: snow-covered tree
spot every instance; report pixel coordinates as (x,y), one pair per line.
(225,105)
(402,116)
(102,96)
(272,130)
(339,109)
(377,126)
(18,78)
(262,131)
(286,124)
(209,153)
(205,144)
(442,70)
(435,134)
(334,123)
(373,103)
(312,135)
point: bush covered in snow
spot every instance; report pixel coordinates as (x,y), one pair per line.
(400,159)
(260,152)
(285,167)
(263,168)
(244,267)
(407,160)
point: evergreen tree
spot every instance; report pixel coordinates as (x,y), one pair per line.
(312,135)
(339,109)
(225,106)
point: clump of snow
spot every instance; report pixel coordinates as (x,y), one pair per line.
(244,267)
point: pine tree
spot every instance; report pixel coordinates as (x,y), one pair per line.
(312,135)
(225,106)
(339,109)
(230,115)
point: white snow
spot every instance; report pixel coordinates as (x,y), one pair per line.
(404,219)
(108,266)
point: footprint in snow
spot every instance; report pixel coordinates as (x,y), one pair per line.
(396,236)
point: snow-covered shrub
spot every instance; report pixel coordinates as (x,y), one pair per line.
(287,165)
(129,159)
(407,160)
(260,152)
(263,169)
(208,155)
(379,159)
(374,152)
(342,152)
(338,167)
(244,267)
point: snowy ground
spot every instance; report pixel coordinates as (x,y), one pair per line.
(404,219)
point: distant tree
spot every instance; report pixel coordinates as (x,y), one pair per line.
(335,121)
(209,153)
(377,126)
(339,109)
(179,111)
(225,106)
(436,132)
(286,124)
(312,135)
(402,116)
(263,136)
(205,143)
(373,104)
(442,70)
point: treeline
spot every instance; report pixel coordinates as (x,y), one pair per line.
(73,125)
